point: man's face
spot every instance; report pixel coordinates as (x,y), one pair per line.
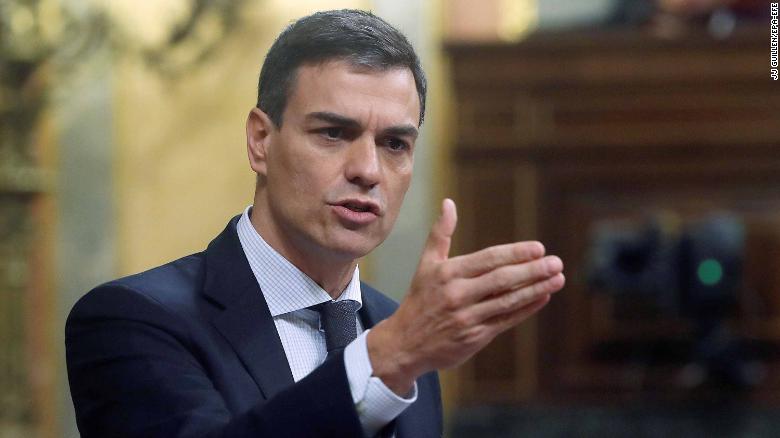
(337,170)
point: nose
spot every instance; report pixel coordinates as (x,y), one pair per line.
(362,165)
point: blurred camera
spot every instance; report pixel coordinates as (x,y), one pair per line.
(692,270)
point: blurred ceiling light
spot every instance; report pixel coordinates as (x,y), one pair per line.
(518,18)
(22,20)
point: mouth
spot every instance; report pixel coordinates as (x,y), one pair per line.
(360,206)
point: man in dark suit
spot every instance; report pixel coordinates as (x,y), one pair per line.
(269,331)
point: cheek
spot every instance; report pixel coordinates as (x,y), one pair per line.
(397,191)
(305,187)
(293,174)
(403,179)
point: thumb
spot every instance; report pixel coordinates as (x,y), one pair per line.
(438,245)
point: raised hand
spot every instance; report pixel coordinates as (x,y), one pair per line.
(456,306)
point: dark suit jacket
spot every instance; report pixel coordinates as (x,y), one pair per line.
(190,349)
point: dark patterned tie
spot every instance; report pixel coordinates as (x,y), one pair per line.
(337,319)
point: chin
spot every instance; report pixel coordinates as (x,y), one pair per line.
(354,246)
(352,252)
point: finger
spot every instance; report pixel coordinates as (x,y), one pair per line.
(437,246)
(488,259)
(502,323)
(507,304)
(492,327)
(525,312)
(510,277)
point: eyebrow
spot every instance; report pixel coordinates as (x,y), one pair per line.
(334,118)
(347,122)
(401,131)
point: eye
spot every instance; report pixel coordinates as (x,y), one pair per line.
(396,144)
(333,133)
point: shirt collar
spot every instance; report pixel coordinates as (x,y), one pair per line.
(285,287)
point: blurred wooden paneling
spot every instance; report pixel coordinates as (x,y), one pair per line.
(563,131)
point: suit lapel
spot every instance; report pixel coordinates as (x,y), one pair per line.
(245,320)
(241,315)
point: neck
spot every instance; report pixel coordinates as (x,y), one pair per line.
(331,273)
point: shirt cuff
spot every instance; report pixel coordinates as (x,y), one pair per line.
(376,404)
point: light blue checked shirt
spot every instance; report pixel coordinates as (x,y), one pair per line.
(289,294)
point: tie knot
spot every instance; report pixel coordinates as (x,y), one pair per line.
(338,321)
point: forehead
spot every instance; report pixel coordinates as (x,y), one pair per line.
(368,95)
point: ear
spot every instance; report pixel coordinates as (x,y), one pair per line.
(259,129)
